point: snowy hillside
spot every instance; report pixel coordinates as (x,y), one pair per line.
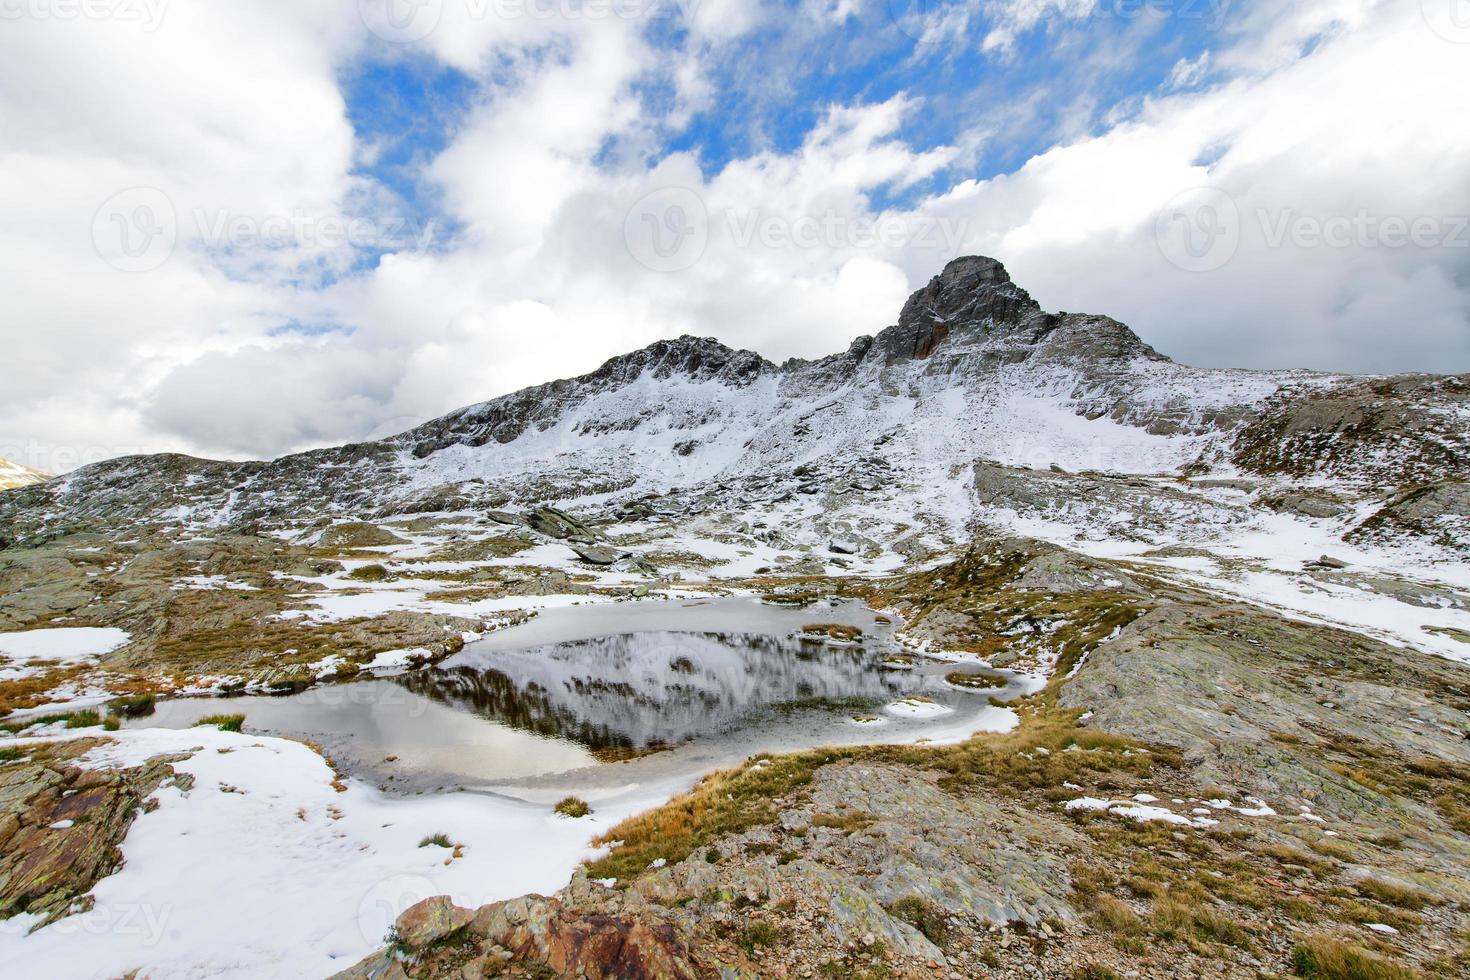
(13,475)
(974,372)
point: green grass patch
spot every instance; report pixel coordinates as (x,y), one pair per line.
(976,682)
(848,823)
(225,723)
(1392,894)
(1179,916)
(437,840)
(1113,915)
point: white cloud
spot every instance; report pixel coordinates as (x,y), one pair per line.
(241,114)
(1320,140)
(1011,18)
(1189,72)
(220,108)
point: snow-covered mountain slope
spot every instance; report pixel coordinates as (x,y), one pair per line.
(13,475)
(974,371)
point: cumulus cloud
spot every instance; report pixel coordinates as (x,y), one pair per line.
(247,313)
(1316,266)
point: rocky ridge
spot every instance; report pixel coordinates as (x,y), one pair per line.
(972,370)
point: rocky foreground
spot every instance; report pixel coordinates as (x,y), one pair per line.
(1119,832)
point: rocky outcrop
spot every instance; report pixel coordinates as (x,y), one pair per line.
(533,932)
(1392,432)
(972,295)
(1438,512)
(61,826)
(864,840)
(355,534)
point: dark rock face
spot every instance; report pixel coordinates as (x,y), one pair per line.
(971,294)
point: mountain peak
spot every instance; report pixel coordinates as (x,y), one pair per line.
(973,291)
(974,269)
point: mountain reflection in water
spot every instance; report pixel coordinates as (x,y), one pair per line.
(644,690)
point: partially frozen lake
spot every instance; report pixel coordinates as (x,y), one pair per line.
(548,704)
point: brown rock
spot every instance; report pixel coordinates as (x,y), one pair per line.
(44,868)
(591,944)
(430,921)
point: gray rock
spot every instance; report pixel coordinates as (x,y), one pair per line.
(1306,505)
(557,524)
(597,555)
(355,534)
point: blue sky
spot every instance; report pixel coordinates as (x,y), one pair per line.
(1058,80)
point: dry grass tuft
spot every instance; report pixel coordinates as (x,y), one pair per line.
(1325,958)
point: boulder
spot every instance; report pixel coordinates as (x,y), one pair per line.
(430,921)
(557,524)
(595,555)
(596,945)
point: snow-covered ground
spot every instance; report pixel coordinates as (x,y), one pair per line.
(31,652)
(1267,558)
(264,869)
(62,645)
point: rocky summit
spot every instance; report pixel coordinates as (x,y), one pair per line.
(1215,625)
